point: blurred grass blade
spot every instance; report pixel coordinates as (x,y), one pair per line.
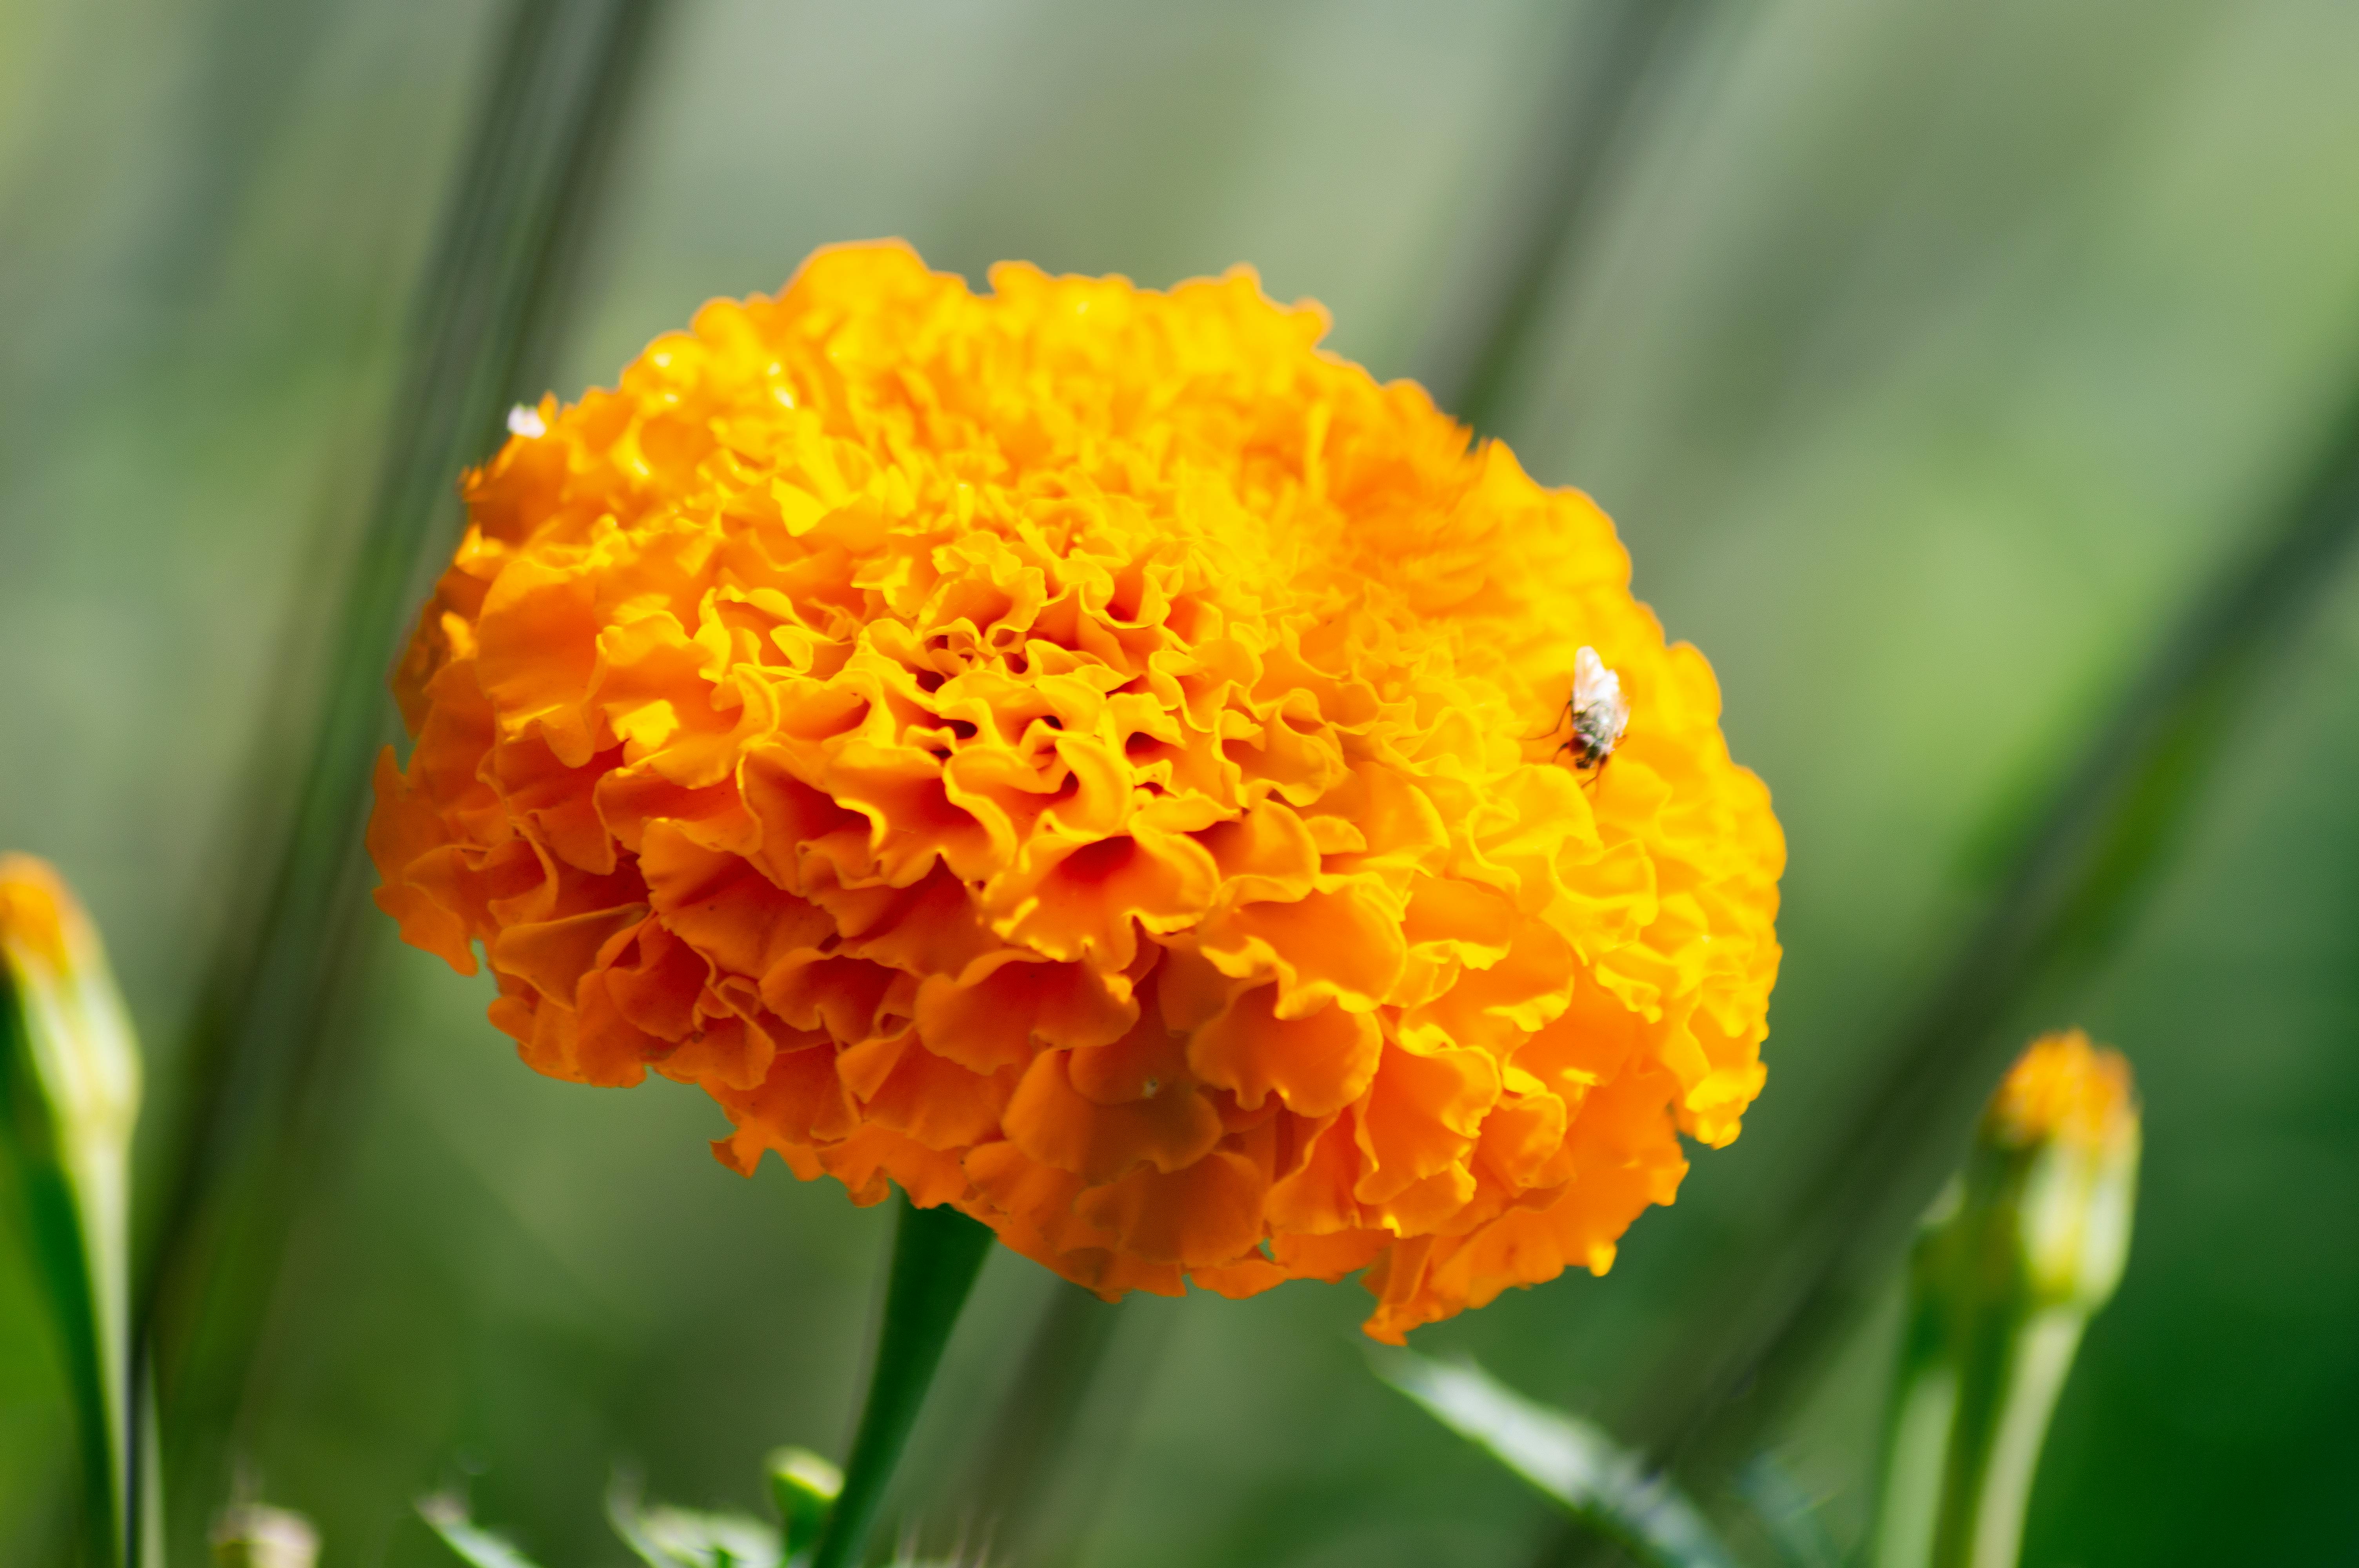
(1021,1453)
(664,1536)
(147,1459)
(936,1253)
(1623,52)
(1603,1484)
(1789,1516)
(1772,1316)
(261,1077)
(446,1516)
(2007,1271)
(70,1092)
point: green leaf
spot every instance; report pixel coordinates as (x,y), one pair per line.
(663,1537)
(446,1516)
(1574,1462)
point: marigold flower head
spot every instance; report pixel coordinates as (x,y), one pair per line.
(1088,756)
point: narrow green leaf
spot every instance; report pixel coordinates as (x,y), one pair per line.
(69,1103)
(1576,1463)
(446,1516)
(2106,828)
(1789,1516)
(664,1536)
(936,1253)
(1021,1453)
(264,1089)
(1623,52)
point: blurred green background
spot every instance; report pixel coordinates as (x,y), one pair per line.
(1931,357)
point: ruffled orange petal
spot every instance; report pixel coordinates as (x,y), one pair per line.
(1089,758)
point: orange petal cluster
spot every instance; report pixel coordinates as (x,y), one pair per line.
(1089,757)
(2064,1090)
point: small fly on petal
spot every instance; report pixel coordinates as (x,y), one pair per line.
(1598,710)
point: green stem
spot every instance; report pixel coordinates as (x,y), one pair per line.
(2002,1422)
(936,1253)
(1978,1381)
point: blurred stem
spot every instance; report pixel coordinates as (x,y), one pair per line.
(1978,1380)
(487,318)
(1020,1456)
(2005,1403)
(1970,1412)
(1621,55)
(936,1253)
(1776,1314)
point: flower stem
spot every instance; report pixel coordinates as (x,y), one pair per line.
(936,1253)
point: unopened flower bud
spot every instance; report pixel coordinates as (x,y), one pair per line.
(2064,1128)
(69,1099)
(2023,1247)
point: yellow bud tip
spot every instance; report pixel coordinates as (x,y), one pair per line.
(2062,1089)
(254,1535)
(37,913)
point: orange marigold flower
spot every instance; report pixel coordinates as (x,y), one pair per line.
(1088,756)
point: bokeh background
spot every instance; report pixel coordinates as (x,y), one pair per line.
(1931,357)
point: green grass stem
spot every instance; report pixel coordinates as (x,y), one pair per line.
(262,1078)
(1775,1314)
